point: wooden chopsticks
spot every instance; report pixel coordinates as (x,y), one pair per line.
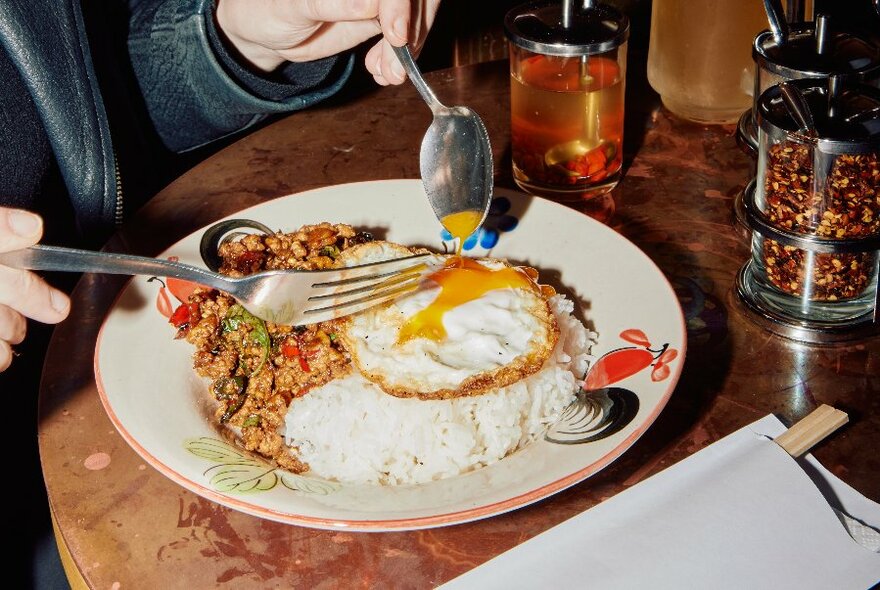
(811,429)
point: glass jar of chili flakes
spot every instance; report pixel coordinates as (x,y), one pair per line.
(567,74)
(814,208)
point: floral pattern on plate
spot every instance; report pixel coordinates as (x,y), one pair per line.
(236,471)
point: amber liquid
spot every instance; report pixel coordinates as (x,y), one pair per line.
(566,123)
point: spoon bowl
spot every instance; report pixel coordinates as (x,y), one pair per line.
(455,159)
(562,153)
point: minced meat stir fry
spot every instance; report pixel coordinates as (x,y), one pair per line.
(256,368)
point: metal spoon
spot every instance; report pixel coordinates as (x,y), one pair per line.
(797,107)
(455,159)
(776,18)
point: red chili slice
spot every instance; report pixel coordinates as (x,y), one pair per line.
(183,317)
(292,351)
(180,317)
(289,350)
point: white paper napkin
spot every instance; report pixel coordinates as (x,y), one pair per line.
(740,513)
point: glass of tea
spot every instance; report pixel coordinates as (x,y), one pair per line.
(567,75)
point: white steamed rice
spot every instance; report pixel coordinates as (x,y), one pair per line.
(349,430)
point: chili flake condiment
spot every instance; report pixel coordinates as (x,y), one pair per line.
(842,203)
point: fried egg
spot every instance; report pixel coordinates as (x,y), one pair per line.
(472,326)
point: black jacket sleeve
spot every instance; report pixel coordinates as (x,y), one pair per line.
(196,91)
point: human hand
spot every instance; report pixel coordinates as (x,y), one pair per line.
(23,294)
(269,32)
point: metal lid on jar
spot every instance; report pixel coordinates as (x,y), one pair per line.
(847,124)
(815,50)
(566,28)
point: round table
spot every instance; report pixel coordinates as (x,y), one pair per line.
(127,526)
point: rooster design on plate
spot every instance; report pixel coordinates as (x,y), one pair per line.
(599,410)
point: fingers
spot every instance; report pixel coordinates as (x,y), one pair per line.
(394,16)
(422,22)
(12,330)
(5,355)
(267,33)
(382,62)
(402,22)
(32,297)
(18,229)
(21,291)
(334,10)
(12,325)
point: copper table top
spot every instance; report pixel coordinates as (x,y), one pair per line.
(127,526)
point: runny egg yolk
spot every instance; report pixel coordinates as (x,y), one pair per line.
(461,280)
(461,225)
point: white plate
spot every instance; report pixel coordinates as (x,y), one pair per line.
(161,407)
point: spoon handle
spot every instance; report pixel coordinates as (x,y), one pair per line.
(797,107)
(776,17)
(412,70)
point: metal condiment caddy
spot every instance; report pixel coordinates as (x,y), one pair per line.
(814,212)
(806,50)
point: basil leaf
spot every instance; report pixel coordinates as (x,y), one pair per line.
(259,334)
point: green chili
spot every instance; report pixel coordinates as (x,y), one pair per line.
(232,390)
(329,251)
(251,420)
(229,387)
(233,408)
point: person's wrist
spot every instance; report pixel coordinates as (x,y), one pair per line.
(256,55)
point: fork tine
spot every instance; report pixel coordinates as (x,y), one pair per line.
(375,297)
(384,281)
(370,272)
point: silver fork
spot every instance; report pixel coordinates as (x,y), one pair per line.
(293,297)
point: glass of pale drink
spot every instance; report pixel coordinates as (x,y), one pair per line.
(700,56)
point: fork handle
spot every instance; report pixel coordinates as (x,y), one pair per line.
(55,258)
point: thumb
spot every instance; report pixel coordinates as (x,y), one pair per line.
(19,229)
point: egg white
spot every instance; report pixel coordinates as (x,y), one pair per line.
(491,341)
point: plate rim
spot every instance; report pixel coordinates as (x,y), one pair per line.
(411,523)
